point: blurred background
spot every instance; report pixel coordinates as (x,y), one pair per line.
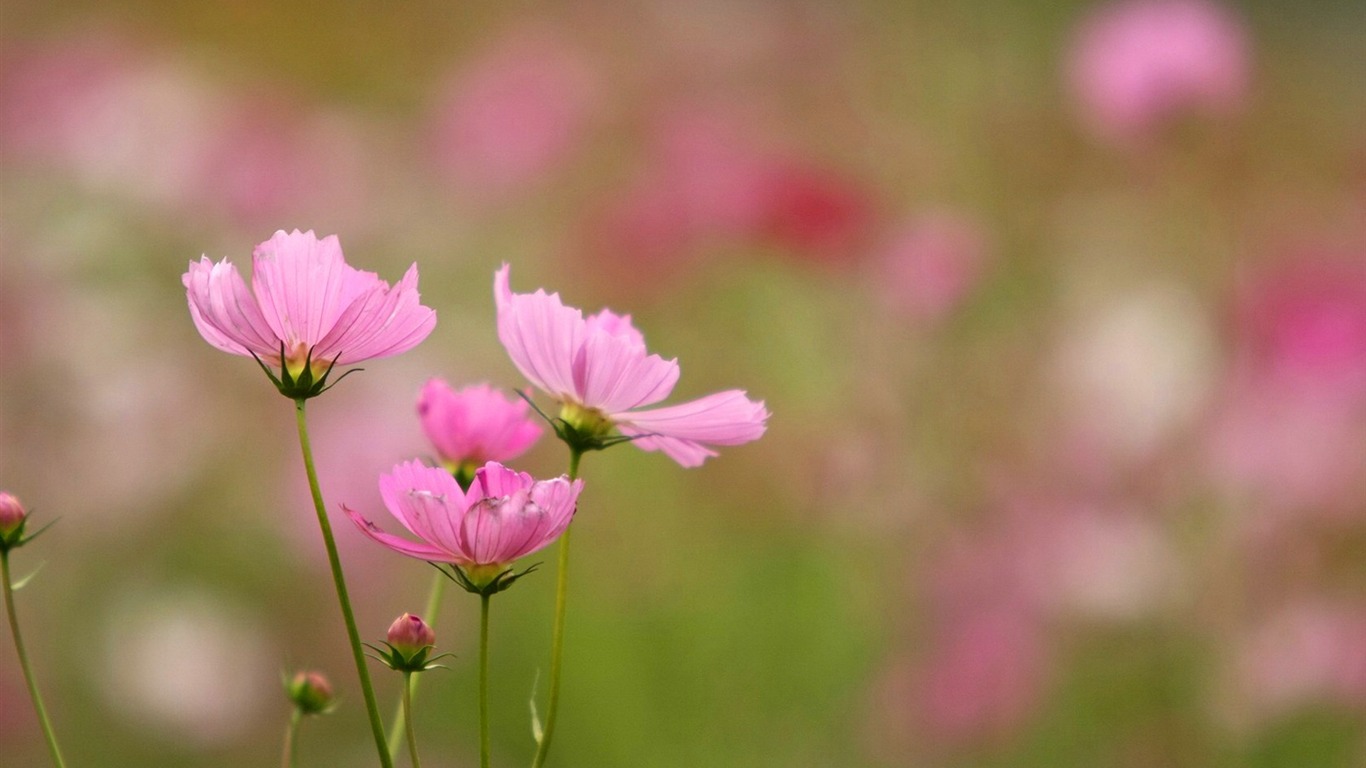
(1059,308)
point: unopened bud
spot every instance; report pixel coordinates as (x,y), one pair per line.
(12,513)
(310,692)
(12,518)
(409,634)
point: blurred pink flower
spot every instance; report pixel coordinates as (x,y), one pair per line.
(474,425)
(1134,64)
(308,302)
(266,158)
(1304,322)
(984,673)
(599,369)
(1291,427)
(1309,652)
(505,515)
(515,113)
(930,264)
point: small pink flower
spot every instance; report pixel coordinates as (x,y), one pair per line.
(599,369)
(1137,63)
(504,515)
(474,425)
(307,307)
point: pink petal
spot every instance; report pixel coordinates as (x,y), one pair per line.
(680,431)
(476,423)
(423,499)
(401,545)
(493,480)
(541,335)
(613,374)
(304,285)
(382,322)
(225,312)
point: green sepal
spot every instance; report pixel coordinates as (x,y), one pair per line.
(304,386)
(16,538)
(419,661)
(493,586)
(579,440)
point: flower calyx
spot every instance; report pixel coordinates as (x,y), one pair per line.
(483,580)
(581,428)
(305,382)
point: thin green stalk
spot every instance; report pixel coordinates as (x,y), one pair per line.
(433,605)
(483,681)
(23,663)
(291,734)
(557,632)
(408,716)
(367,690)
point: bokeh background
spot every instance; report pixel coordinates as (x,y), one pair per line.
(1059,308)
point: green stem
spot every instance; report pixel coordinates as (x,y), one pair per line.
(433,605)
(557,632)
(23,663)
(483,681)
(291,733)
(408,716)
(376,727)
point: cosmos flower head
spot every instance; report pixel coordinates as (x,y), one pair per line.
(474,425)
(600,371)
(307,310)
(502,517)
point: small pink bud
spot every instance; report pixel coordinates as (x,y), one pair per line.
(409,634)
(12,514)
(310,692)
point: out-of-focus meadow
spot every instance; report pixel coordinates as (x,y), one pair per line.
(1059,308)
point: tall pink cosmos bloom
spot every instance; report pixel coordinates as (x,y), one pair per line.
(306,308)
(599,369)
(474,425)
(505,515)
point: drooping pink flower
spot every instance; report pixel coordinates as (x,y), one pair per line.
(599,369)
(306,306)
(474,425)
(1137,63)
(503,516)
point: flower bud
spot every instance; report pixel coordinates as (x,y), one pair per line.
(12,518)
(409,634)
(12,514)
(310,692)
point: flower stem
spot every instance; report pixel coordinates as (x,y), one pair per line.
(291,733)
(400,719)
(484,681)
(372,710)
(557,632)
(408,717)
(23,663)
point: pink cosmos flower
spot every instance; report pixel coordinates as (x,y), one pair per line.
(599,369)
(475,424)
(307,307)
(1136,63)
(504,515)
